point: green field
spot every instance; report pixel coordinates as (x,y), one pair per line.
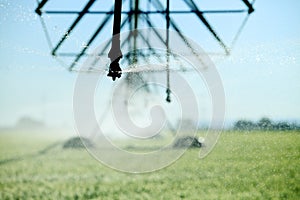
(255,165)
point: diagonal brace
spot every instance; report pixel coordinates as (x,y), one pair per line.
(249,5)
(193,6)
(81,14)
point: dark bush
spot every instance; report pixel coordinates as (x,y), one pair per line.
(188,141)
(244,125)
(264,124)
(77,142)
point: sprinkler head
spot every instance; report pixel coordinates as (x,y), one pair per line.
(115,70)
(168,99)
(115,55)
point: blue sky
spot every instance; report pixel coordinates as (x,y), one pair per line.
(260,77)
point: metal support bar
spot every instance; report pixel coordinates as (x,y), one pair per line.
(136,21)
(108,42)
(249,5)
(150,48)
(104,22)
(70,54)
(192,5)
(115,53)
(155,31)
(117,18)
(168,18)
(81,14)
(40,6)
(148,12)
(130,27)
(129,15)
(168,90)
(173,24)
(136,12)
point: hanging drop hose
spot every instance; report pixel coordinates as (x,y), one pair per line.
(115,53)
(168,90)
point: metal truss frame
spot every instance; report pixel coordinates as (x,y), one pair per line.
(131,17)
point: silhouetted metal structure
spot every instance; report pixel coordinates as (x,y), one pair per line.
(115,53)
(132,16)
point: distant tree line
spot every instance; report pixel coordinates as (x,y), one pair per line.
(265,124)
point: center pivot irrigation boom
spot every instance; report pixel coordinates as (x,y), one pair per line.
(132,12)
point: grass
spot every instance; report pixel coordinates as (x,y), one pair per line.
(256,165)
